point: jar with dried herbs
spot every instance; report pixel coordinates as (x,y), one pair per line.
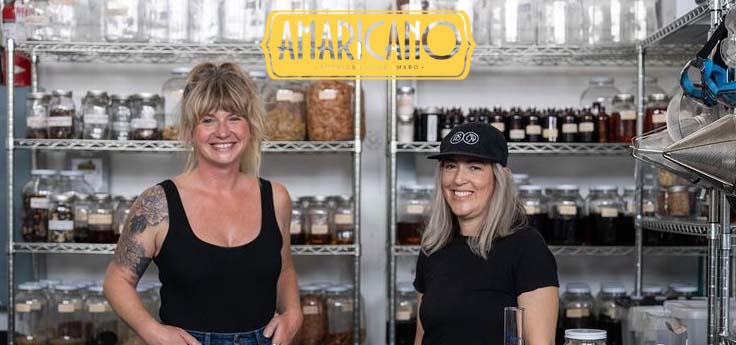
(330,113)
(121,113)
(121,213)
(679,201)
(36,199)
(61,219)
(61,116)
(286,112)
(339,316)
(37,113)
(314,324)
(99,220)
(31,314)
(343,221)
(317,222)
(67,315)
(82,204)
(95,115)
(147,121)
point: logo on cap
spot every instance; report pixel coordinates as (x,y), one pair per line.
(457,138)
(470,138)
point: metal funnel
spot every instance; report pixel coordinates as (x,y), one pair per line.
(709,153)
(685,116)
(650,148)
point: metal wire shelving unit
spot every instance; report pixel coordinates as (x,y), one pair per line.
(591,251)
(81,52)
(576,149)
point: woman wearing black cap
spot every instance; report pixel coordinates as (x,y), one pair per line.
(478,255)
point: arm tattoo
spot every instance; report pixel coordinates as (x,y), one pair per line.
(150,209)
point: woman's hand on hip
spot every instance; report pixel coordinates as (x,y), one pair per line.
(282,327)
(168,335)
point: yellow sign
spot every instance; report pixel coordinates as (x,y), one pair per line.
(368,44)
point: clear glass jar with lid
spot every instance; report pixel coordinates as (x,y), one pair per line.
(95,115)
(61,219)
(652,295)
(314,311)
(318,222)
(682,292)
(36,200)
(535,206)
(75,183)
(82,205)
(147,121)
(121,213)
(406,314)
(330,115)
(31,314)
(285,111)
(203,21)
(172,91)
(49,286)
(339,315)
(37,113)
(68,316)
(405,114)
(121,115)
(604,207)
(612,311)
(655,115)
(414,206)
(585,337)
(343,220)
(679,201)
(566,208)
(122,21)
(623,118)
(297,228)
(105,324)
(577,307)
(99,220)
(559,22)
(651,86)
(61,115)
(600,89)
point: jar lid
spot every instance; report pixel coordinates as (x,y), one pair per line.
(30,286)
(651,289)
(685,289)
(319,198)
(346,197)
(181,70)
(102,196)
(65,287)
(530,188)
(517,177)
(43,172)
(96,93)
(146,96)
(657,97)
(49,282)
(60,92)
(37,95)
(310,288)
(406,89)
(95,288)
(337,289)
(585,334)
(613,288)
(578,288)
(118,96)
(601,80)
(604,188)
(71,173)
(405,287)
(61,197)
(568,188)
(676,189)
(623,97)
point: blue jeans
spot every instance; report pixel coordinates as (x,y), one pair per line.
(245,338)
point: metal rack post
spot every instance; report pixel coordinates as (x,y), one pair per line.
(391,153)
(712,284)
(725,262)
(10,93)
(639,238)
(357,308)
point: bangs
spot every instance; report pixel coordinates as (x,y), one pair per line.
(220,95)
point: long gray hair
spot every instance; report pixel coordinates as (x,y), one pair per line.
(504,215)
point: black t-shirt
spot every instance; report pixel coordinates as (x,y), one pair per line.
(464,295)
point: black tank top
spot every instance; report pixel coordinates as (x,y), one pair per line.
(210,288)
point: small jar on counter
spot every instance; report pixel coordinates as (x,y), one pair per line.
(318,222)
(121,114)
(61,115)
(121,214)
(314,324)
(585,337)
(37,113)
(99,220)
(36,199)
(95,115)
(147,121)
(61,219)
(297,228)
(343,220)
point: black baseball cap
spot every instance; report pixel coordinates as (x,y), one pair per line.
(476,140)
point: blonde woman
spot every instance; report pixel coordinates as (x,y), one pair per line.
(218,233)
(478,255)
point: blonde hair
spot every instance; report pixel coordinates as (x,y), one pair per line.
(504,215)
(226,87)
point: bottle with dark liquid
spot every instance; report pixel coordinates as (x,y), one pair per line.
(413,207)
(550,126)
(586,124)
(99,220)
(498,120)
(604,210)
(565,215)
(516,126)
(483,116)
(623,118)
(612,309)
(656,112)
(568,126)
(576,308)
(602,125)
(533,126)
(536,209)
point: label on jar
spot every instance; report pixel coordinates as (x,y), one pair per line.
(296,228)
(576,313)
(569,128)
(96,119)
(36,20)
(567,210)
(328,94)
(517,134)
(23,308)
(116,12)
(297,97)
(61,225)
(531,210)
(609,212)
(36,122)
(405,105)
(66,308)
(40,203)
(533,129)
(648,208)
(414,209)
(320,229)
(284,95)
(310,310)
(143,124)
(35,305)
(550,133)
(347,307)
(343,219)
(403,315)
(62,2)
(628,115)
(60,121)
(586,127)
(98,308)
(99,219)
(610,312)
(659,118)
(499,126)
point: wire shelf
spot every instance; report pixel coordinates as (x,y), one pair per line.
(691,28)
(592,251)
(532,148)
(174,146)
(94,248)
(684,227)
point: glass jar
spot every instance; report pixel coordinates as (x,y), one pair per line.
(577,307)
(639,19)
(204,21)
(172,91)
(318,223)
(36,199)
(682,292)
(565,213)
(120,112)
(586,126)
(339,316)
(61,219)
(406,314)
(603,210)
(519,22)
(651,86)
(405,114)
(559,22)
(314,323)
(147,120)
(99,220)
(121,213)
(652,295)
(679,201)
(656,112)
(666,179)
(414,206)
(82,205)
(72,182)
(298,236)
(600,89)
(31,315)
(37,113)
(68,316)
(585,337)
(330,111)
(612,312)
(241,20)
(155,20)
(61,115)
(623,118)
(285,112)
(344,232)
(602,124)
(105,327)
(516,126)
(95,116)
(498,120)
(89,20)
(550,126)
(568,126)
(533,127)
(122,21)
(36,19)
(626,227)
(536,209)
(598,20)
